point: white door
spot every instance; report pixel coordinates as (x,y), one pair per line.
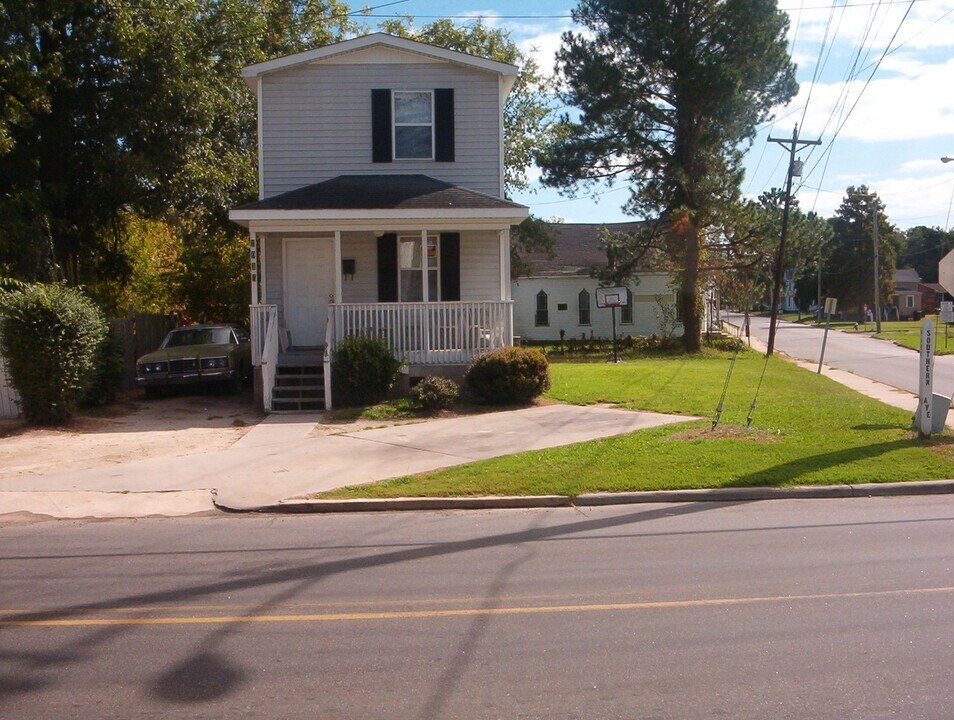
(308,266)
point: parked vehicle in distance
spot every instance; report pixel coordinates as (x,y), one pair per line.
(197,354)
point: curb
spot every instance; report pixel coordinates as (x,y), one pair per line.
(746,494)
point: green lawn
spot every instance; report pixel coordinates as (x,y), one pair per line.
(806,430)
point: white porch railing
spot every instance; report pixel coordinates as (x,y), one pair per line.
(329,342)
(264,322)
(438,333)
(260,317)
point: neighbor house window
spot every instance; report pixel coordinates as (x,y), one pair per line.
(583,302)
(626,311)
(909,301)
(542,316)
(413,124)
(411,262)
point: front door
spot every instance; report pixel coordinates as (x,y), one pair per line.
(309,281)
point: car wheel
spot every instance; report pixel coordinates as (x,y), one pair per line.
(153,392)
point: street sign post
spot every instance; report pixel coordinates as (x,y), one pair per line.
(831,304)
(612,298)
(926,379)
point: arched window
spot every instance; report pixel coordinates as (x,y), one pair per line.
(626,311)
(542,316)
(584,305)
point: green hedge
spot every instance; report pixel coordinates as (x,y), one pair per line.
(363,369)
(511,375)
(50,336)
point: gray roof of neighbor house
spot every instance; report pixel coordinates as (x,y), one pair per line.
(907,276)
(576,248)
(382,192)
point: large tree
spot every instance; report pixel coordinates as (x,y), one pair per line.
(666,92)
(848,273)
(111,109)
(924,249)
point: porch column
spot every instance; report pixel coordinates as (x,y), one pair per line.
(505,289)
(424,263)
(337,266)
(253,247)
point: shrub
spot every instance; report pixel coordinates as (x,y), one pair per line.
(107,375)
(363,369)
(434,393)
(50,335)
(510,375)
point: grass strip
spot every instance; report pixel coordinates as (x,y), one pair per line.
(807,430)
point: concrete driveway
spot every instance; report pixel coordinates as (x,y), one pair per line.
(280,459)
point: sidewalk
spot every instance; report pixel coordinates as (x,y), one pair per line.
(280,459)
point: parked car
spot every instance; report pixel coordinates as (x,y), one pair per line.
(197,354)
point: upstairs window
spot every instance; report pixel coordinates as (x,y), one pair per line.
(542,316)
(413,125)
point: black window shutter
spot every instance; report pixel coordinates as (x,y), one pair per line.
(450,267)
(387,268)
(381,149)
(444,124)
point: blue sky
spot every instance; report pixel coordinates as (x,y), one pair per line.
(877,87)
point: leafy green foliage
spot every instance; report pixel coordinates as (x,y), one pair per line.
(511,375)
(110,108)
(50,336)
(435,393)
(848,273)
(924,249)
(106,377)
(363,369)
(666,93)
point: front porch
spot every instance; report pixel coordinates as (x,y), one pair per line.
(422,335)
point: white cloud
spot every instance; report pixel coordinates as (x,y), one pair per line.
(918,105)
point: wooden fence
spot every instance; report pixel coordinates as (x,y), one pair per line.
(140,334)
(8,396)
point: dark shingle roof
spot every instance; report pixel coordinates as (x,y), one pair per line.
(576,248)
(381,192)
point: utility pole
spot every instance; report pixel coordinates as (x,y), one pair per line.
(793,146)
(877,274)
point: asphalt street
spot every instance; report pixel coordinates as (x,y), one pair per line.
(782,609)
(877,360)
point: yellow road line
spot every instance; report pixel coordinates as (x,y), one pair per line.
(466,612)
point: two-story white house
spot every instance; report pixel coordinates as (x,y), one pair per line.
(381,210)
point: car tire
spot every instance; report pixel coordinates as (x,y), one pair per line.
(153,392)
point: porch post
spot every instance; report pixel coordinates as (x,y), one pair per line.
(424,265)
(337,266)
(253,247)
(505,290)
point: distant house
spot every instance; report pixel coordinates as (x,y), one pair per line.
(908,294)
(557,293)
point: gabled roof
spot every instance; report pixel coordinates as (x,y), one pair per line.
(576,248)
(252,72)
(906,275)
(355,196)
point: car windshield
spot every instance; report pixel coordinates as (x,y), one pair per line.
(198,336)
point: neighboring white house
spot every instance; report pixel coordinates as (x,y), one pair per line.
(381,209)
(558,293)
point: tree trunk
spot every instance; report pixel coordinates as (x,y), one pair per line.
(689,292)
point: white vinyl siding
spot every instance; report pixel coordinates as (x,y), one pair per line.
(316,124)
(479,266)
